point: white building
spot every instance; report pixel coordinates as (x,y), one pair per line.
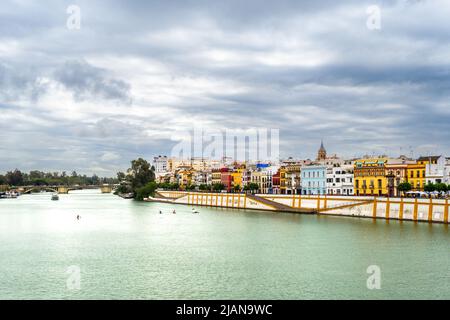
(201,177)
(161,165)
(340,180)
(263,177)
(435,171)
(447,171)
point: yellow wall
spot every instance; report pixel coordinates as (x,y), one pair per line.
(416,175)
(216,177)
(237,177)
(283,181)
(371,173)
(185,177)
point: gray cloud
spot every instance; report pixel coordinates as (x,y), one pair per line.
(136,71)
(87,82)
(16,82)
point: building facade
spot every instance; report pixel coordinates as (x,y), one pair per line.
(435,170)
(314,180)
(160,163)
(370,177)
(340,180)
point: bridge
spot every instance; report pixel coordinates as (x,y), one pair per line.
(63,189)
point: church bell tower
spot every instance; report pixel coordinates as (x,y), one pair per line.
(322,153)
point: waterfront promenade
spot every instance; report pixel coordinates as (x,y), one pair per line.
(419,210)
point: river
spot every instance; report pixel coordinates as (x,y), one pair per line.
(122,249)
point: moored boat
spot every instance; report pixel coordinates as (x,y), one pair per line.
(9,195)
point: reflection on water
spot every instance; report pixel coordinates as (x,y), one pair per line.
(126,249)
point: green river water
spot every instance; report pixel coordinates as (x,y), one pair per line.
(127,250)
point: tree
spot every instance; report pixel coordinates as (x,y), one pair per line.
(14,178)
(218,187)
(190,187)
(441,187)
(429,187)
(237,188)
(95,180)
(174,186)
(40,182)
(253,187)
(35,174)
(204,187)
(2,179)
(123,188)
(140,173)
(404,187)
(146,191)
(121,176)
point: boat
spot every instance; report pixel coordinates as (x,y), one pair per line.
(55,197)
(9,195)
(126,195)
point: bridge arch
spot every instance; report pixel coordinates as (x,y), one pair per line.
(39,188)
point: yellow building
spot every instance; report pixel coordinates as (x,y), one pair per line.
(216,176)
(283,182)
(293,178)
(370,177)
(184,176)
(236,178)
(416,172)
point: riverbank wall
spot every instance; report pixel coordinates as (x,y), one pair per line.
(408,209)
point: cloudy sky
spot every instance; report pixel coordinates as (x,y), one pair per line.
(94,98)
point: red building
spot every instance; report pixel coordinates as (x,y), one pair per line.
(276,183)
(226,178)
